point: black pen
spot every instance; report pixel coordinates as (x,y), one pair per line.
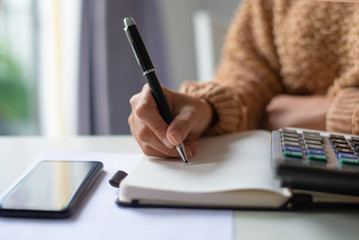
(144,60)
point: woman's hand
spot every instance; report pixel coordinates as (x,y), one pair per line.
(297,111)
(192,116)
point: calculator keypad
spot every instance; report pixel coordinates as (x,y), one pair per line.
(345,149)
(310,146)
(316,161)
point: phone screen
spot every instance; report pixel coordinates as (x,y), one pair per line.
(51,189)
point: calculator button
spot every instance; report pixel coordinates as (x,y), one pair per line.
(284,130)
(292,154)
(355,143)
(313,142)
(312,136)
(347,155)
(340,145)
(334,136)
(349,161)
(315,151)
(317,157)
(345,150)
(290,139)
(355,139)
(314,146)
(290,143)
(292,148)
(348,158)
(339,141)
(291,135)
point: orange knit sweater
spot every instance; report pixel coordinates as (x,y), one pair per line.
(286,47)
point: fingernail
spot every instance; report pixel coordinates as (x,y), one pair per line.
(167,143)
(176,137)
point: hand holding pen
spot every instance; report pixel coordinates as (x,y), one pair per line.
(151,120)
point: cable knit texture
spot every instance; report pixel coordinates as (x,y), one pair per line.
(298,47)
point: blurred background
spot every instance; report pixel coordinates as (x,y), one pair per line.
(66,67)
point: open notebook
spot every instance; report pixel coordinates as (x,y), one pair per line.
(230,171)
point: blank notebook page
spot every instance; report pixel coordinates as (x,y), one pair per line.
(222,163)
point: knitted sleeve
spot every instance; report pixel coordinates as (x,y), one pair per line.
(247,76)
(343,115)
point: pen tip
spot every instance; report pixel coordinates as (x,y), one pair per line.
(182,152)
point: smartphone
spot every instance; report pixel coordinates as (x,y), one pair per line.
(52,189)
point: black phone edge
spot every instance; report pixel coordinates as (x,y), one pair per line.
(71,207)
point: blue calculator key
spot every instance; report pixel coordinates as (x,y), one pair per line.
(347,155)
(315,151)
(292,148)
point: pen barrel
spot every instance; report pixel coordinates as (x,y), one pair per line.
(159,97)
(140,49)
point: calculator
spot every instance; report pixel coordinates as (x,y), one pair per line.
(316,161)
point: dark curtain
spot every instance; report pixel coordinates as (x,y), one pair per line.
(109,73)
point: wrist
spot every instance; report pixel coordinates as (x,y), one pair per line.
(209,115)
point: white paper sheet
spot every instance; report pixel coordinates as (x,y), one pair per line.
(100,218)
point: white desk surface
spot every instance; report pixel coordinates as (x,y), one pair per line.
(17,153)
